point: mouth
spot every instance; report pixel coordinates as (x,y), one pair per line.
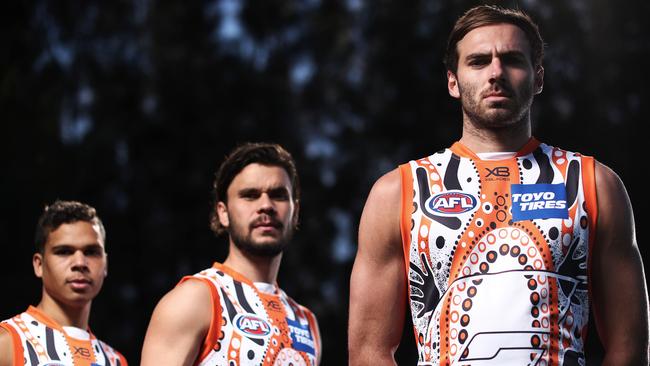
(497,92)
(79,283)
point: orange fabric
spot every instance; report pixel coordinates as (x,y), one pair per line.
(461,150)
(406,209)
(591,200)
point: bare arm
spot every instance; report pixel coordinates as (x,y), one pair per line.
(619,288)
(6,350)
(178,325)
(378,282)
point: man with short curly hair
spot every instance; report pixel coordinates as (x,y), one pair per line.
(70,259)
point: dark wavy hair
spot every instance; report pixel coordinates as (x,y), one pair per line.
(64,212)
(483,15)
(249,153)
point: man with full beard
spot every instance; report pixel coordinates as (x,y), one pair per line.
(234,313)
(500,245)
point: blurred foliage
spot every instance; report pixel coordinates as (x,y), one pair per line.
(131,105)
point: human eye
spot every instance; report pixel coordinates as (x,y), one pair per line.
(62,251)
(478,61)
(279,194)
(514,59)
(249,194)
(93,252)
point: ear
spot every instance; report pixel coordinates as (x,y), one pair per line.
(452,85)
(106,265)
(37,262)
(539,80)
(222,212)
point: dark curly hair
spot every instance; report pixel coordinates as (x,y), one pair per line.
(249,153)
(483,15)
(64,212)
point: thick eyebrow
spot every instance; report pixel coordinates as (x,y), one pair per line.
(63,246)
(273,190)
(483,55)
(248,191)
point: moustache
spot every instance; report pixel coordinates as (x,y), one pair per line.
(266,220)
(498,89)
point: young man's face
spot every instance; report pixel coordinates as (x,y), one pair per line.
(73,265)
(261,213)
(495,79)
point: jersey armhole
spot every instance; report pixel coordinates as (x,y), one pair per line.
(122,359)
(313,324)
(591,204)
(406,208)
(215,321)
(16,344)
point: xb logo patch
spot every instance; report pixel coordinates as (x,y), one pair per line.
(500,171)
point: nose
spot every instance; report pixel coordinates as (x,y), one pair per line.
(496,69)
(266,203)
(79,261)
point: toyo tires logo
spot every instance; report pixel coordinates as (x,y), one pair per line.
(252,326)
(451,203)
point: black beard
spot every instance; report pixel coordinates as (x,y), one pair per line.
(509,115)
(266,250)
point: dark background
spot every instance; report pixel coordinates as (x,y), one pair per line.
(131,105)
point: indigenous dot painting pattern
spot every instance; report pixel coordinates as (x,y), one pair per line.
(39,340)
(251,327)
(486,288)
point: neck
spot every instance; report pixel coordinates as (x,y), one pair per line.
(510,138)
(65,315)
(255,268)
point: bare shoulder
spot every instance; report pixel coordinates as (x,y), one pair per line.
(188,303)
(6,348)
(179,324)
(388,186)
(614,207)
(379,224)
(607,180)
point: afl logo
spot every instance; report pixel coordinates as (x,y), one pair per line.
(451,203)
(252,326)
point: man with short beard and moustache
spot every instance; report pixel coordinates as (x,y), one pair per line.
(500,245)
(234,313)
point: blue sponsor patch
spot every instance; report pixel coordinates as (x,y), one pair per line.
(301,337)
(538,201)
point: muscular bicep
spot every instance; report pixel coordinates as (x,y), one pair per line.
(378,285)
(619,287)
(178,325)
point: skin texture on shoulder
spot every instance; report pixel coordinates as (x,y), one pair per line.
(178,325)
(377,307)
(6,348)
(619,289)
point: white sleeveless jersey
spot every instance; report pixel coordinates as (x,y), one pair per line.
(250,327)
(39,341)
(497,255)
